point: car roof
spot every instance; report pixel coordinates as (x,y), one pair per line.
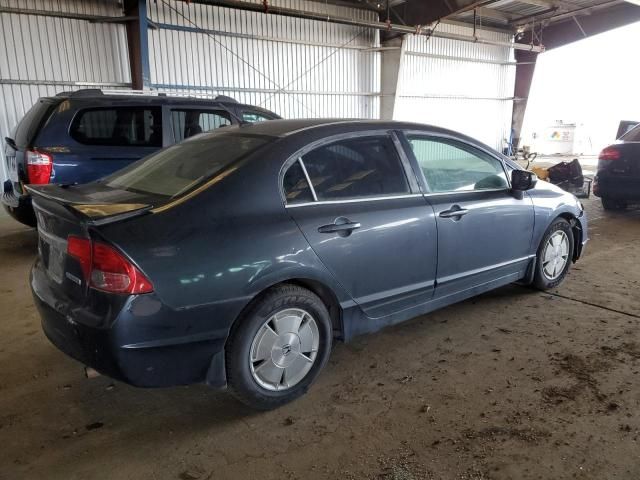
(284,128)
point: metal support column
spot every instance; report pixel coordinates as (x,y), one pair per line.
(138,43)
(393,51)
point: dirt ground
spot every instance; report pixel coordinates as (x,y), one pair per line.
(514,384)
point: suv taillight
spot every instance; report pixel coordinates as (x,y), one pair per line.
(107,269)
(609,153)
(39,167)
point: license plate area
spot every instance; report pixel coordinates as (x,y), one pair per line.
(53,252)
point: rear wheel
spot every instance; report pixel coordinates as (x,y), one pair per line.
(554,255)
(610,204)
(279,347)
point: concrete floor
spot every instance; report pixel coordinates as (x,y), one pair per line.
(513,384)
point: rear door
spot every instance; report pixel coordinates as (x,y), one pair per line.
(106,139)
(484,232)
(185,122)
(365,219)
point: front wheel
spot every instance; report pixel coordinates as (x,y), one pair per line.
(279,347)
(554,255)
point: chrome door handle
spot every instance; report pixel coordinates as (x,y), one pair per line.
(455,212)
(341,225)
(338,227)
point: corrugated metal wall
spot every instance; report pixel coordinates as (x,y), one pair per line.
(295,67)
(45,55)
(464,86)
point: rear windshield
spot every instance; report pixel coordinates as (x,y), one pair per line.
(28,127)
(182,167)
(632,135)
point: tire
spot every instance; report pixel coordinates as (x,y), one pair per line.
(552,265)
(610,204)
(266,351)
(23,214)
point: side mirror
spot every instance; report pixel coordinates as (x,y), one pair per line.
(522,180)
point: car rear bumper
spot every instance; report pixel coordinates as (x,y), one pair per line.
(617,188)
(113,346)
(18,206)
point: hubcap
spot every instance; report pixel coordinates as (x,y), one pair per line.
(555,255)
(284,349)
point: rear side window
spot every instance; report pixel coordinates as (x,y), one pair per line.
(355,168)
(632,135)
(189,122)
(182,167)
(119,126)
(296,187)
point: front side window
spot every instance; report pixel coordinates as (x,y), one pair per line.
(189,122)
(185,166)
(254,117)
(119,126)
(451,166)
(355,168)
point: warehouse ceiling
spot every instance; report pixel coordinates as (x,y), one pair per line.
(550,23)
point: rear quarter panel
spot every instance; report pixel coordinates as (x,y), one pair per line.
(215,252)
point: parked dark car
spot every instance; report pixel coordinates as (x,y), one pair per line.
(237,257)
(78,137)
(617,180)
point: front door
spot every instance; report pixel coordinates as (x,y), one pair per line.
(369,227)
(484,232)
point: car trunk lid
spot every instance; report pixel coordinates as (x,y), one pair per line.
(63,212)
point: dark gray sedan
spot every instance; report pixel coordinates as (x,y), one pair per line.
(237,257)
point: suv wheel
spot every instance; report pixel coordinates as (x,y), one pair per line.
(610,204)
(278,348)
(554,255)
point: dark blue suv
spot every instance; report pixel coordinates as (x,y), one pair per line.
(78,137)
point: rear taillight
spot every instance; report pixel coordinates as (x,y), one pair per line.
(80,249)
(107,269)
(609,153)
(39,167)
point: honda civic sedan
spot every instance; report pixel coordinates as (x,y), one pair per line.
(238,257)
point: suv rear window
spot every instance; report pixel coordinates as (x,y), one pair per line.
(32,120)
(119,126)
(184,166)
